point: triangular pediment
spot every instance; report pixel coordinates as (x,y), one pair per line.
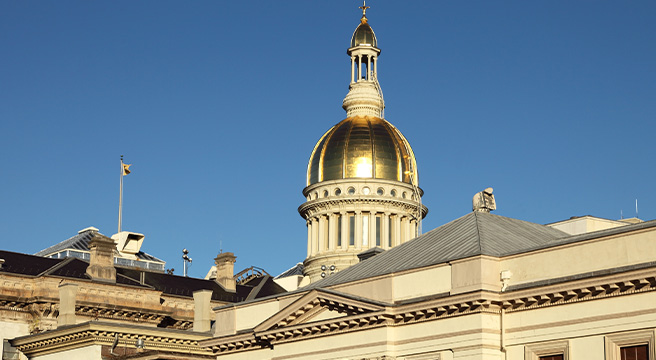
(318,305)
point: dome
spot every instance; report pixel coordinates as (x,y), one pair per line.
(362,147)
(364,35)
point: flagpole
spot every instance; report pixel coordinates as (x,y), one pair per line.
(120,198)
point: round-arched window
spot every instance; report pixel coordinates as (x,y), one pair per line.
(338,192)
(393,192)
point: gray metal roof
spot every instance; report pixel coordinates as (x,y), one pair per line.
(476,233)
(296,270)
(81,242)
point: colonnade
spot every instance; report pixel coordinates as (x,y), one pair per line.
(358,230)
(358,61)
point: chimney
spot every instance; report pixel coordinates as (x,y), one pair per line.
(67,292)
(484,201)
(202,311)
(101,262)
(225,270)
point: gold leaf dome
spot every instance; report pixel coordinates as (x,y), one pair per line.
(362,146)
(364,35)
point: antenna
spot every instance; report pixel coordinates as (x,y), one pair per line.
(637,209)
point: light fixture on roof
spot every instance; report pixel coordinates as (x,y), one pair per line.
(140,344)
(185,259)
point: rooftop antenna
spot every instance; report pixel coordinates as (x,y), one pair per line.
(185,259)
(637,217)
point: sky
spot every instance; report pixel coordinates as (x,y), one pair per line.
(218,104)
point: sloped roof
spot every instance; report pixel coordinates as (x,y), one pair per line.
(74,268)
(476,233)
(81,242)
(295,270)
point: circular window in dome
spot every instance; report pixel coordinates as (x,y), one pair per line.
(325,193)
(403,195)
(338,192)
(315,195)
(351,191)
(380,191)
(393,192)
(366,190)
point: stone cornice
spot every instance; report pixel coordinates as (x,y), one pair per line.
(320,206)
(447,306)
(102,333)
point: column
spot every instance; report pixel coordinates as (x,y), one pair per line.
(315,233)
(376,67)
(332,231)
(396,240)
(322,231)
(404,229)
(344,219)
(359,67)
(385,233)
(309,242)
(358,230)
(368,67)
(372,229)
(352,69)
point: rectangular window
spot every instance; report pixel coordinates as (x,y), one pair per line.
(390,231)
(365,230)
(631,345)
(339,230)
(552,357)
(378,229)
(326,239)
(351,230)
(638,352)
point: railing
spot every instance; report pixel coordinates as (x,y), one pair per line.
(246,275)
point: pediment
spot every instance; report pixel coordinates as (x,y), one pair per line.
(318,305)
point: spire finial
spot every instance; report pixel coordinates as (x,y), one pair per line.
(364,8)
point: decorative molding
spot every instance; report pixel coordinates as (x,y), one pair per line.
(569,293)
(450,306)
(98,333)
(535,351)
(614,342)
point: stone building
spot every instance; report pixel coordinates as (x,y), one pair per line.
(72,308)
(481,287)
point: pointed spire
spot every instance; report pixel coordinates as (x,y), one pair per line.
(364,8)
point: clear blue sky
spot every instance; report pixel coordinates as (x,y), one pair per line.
(218,105)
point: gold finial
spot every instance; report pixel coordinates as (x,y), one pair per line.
(364,8)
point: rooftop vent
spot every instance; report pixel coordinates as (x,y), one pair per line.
(484,201)
(369,253)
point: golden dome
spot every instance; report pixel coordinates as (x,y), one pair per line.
(364,35)
(362,147)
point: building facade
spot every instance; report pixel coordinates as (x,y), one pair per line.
(481,287)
